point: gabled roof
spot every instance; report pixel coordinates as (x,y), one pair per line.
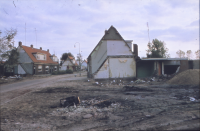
(30,51)
(71,57)
(111,34)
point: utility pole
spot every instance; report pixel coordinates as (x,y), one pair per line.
(79,59)
(36,37)
(148,31)
(25,33)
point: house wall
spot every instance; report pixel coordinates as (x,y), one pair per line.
(145,68)
(23,57)
(98,56)
(65,64)
(20,70)
(183,65)
(122,67)
(103,72)
(172,62)
(84,65)
(117,47)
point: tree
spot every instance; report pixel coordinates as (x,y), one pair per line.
(189,54)
(181,54)
(79,58)
(7,44)
(65,56)
(197,54)
(157,49)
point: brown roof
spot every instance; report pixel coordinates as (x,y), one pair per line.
(76,63)
(71,58)
(30,51)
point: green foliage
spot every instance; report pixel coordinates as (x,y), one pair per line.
(7,43)
(69,71)
(157,49)
(12,57)
(65,56)
(62,72)
(59,72)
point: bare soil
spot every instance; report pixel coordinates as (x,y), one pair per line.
(105,107)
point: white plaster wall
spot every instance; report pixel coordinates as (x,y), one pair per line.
(103,72)
(65,64)
(122,67)
(98,56)
(21,70)
(117,47)
(84,65)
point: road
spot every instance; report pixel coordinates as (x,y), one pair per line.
(13,90)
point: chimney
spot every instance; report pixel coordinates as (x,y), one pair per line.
(106,31)
(47,50)
(31,46)
(135,49)
(40,48)
(20,43)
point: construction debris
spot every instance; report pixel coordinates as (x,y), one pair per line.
(69,101)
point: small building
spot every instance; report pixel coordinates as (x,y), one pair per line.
(33,61)
(84,65)
(113,57)
(69,64)
(147,67)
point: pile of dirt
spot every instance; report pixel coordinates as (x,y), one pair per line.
(188,77)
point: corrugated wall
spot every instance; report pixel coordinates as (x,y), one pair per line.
(145,69)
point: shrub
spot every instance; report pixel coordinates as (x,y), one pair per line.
(69,71)
(58,73)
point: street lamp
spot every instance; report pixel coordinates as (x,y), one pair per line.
(79,58)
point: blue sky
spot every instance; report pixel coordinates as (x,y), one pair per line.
(58,25)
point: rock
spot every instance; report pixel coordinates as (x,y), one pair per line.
(87,116)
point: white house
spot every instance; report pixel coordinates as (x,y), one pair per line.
(113,57)
(84,65)
(69,64)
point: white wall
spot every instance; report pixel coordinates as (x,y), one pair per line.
(98,56)
(21,70)
(65,64)
(103,72)
(122,67)
(117,47)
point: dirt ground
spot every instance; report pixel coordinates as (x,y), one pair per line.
(105,106)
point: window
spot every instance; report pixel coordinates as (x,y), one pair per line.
(39,68)
(55,68)
(47,69)
(41,56)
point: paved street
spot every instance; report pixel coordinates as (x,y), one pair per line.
(7,90)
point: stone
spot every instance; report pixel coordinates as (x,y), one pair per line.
(87,116)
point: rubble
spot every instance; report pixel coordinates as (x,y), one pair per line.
(87,116)
(69,101)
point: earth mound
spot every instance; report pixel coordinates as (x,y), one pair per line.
(188,77)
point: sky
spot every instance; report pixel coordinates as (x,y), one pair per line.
(65,25)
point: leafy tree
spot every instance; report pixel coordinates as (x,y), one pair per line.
(181,54)
(65,56)
(79,58)
(197,54)
(157,49)
(7,43)
(189,54)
